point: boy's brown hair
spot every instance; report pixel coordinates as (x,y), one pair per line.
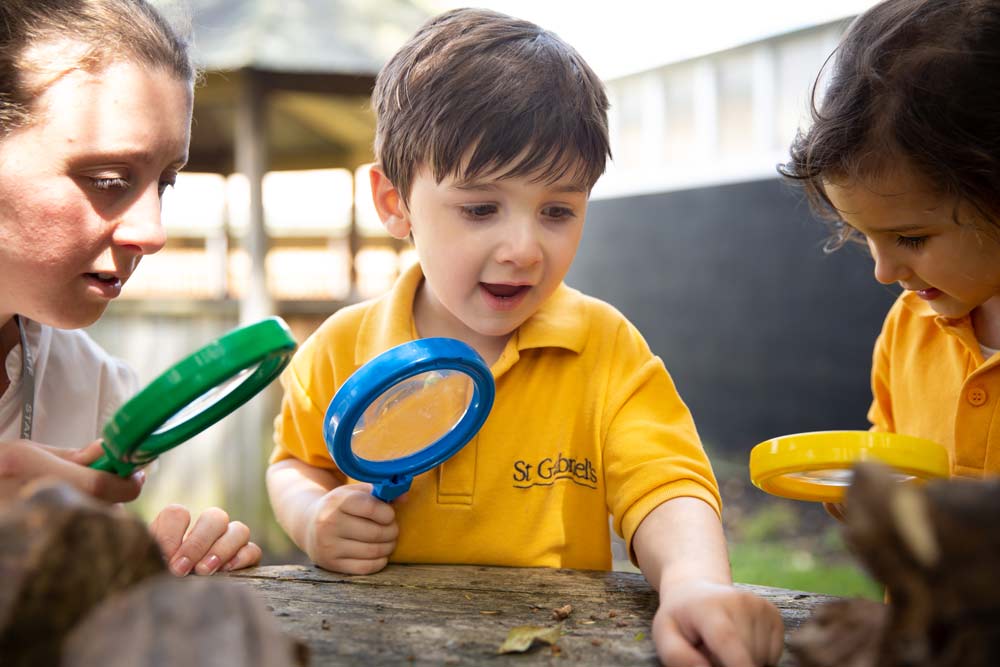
(476,91)
(915,83)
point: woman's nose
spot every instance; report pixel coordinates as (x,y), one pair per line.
(140,226)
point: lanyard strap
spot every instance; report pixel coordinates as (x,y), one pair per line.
(27,383)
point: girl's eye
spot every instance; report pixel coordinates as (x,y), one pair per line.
(558,213)
(912,242)
(116,183)
(479,211)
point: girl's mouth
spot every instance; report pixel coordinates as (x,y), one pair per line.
(929,293)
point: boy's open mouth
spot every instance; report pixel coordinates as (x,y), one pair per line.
(504,291)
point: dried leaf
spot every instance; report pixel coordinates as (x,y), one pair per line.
(522,637)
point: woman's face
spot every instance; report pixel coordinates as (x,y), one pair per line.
(80,189)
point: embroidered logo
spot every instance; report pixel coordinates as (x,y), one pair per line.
(548,471)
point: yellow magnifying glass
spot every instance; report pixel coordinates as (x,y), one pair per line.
(817,466)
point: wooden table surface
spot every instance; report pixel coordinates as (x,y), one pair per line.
(448,615)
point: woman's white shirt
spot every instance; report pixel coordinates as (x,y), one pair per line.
(78,386)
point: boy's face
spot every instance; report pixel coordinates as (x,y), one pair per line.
(916,242)
(492,250)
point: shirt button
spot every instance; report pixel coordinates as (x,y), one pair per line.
(976,396)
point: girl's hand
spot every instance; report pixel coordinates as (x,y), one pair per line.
(351,531)
(214,543)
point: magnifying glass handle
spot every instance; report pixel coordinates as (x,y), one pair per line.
(107,464)
(391,489)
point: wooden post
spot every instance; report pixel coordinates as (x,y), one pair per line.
(244,453)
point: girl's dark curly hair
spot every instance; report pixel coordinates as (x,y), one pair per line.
(914,83)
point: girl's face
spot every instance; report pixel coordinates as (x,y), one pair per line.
(916,242)
(80,189)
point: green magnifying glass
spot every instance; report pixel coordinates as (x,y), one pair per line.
(194,393)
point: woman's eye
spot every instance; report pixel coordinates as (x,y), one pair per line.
(558,213)
(116,183)
(910,241)
(479,211)
(166,183)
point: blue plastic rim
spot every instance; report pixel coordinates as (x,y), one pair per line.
(392,477)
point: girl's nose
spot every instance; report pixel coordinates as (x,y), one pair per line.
(889,268)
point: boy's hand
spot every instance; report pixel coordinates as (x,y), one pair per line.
(351,531)
(213,543)
(22,461)
(703,624)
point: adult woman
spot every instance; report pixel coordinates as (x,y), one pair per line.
(95,115)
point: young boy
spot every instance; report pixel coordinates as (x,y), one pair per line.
(490,134)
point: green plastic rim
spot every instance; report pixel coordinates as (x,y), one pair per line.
(221,376)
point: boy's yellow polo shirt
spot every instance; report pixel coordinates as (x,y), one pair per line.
(586,421)
(929,379)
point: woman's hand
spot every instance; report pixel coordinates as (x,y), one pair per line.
(214,542)
(22,461)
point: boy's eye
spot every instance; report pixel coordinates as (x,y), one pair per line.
(910,241)
(558,213)
(479,211)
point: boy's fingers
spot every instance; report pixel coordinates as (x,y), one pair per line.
(355,566)
(224,549)
(168,529)
(367,506)
(364,530)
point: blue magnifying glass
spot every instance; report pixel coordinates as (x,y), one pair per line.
(406,411)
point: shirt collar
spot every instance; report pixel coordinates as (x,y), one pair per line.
(560,322)
(960,327)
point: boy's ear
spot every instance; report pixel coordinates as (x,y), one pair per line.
(389,204)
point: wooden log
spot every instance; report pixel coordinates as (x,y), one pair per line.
(936,548)
(191,622)
(60,554)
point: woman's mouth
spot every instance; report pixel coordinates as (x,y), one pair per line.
(108,284)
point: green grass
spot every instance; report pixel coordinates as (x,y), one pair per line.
(784,567)
(768,547)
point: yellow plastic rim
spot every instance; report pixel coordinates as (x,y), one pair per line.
(817,466)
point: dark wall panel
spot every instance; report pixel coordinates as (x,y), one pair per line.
(763,333)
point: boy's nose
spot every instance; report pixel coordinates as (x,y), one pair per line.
(521,244)
(140,228)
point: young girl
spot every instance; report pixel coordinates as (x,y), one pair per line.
(95,118)
(904,152)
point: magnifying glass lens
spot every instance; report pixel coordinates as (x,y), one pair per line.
(206,400)
(837,477)
(412,414)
